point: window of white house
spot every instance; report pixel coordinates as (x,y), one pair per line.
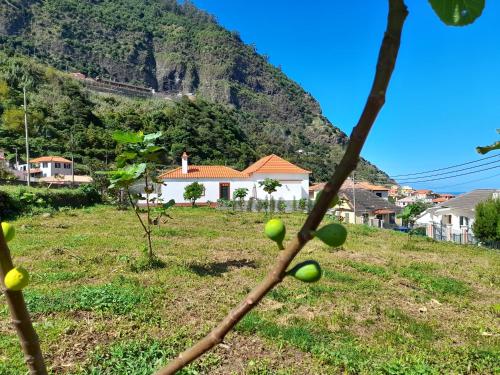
(57,165)
(378,194)
(67,165)
(464,220)
(45,165)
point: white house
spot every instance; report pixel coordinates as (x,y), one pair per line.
(48,166)
(220,182)
(452,220)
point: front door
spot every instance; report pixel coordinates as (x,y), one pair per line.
(224,191)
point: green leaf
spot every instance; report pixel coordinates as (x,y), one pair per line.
(485,149)
(152,136)
(458,12)
(122,159)
(128,137)
(169,204)
(136,169)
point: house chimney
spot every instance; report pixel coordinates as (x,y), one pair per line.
(184,163)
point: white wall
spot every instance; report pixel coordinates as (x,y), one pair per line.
(174,189)
(51,169)
(437,219)
(293,186)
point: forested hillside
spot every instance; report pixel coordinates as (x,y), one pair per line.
(174,49)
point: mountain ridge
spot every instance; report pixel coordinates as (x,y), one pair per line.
(174,49)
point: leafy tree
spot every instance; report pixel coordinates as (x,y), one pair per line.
(411,212)
(12,119)
(270,185)
(193,192)
(137,163)
(240,194)
(486,225)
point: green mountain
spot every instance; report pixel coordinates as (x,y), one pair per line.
(179,49)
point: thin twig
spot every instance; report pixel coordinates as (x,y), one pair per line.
(21,317)
(385,66)
(135,208)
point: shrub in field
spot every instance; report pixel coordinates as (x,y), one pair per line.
(250,205)
(240,194)
(259,205)
(21,200)
(302,204)
(486,227)
(281,205)
(193,192)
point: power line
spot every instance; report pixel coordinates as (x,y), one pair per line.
(442,169)
(457,175)
(467,182)
(454,171)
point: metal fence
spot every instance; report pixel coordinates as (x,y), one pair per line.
(442,233)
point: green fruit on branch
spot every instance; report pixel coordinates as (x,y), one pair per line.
(333,235)
(8,231)
(275,230)
(17,278)
(333,202)
(308,271)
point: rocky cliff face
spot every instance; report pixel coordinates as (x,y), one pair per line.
(178,49)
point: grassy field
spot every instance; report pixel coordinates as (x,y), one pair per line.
(383,306)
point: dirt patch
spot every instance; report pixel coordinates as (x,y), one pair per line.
(243,355)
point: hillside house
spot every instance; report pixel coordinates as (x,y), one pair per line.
(361,206)
(47,166)
(379,191)
(220,182)
(452,220)
(424,195)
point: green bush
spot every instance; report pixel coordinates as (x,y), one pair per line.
(16,201)
(486,227)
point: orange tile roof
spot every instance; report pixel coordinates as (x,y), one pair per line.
(423,191)
(273,164)
(440,200)
(367,186)
(43,159)
(204,171)
(317,187)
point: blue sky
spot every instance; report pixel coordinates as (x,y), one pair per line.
(444,98)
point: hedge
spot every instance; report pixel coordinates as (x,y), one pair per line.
(15,200)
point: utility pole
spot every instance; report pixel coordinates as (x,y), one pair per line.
(26,137)
(354,196)
(72,163)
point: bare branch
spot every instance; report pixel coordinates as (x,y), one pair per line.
(385,66)
(135,208)
(12,5)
